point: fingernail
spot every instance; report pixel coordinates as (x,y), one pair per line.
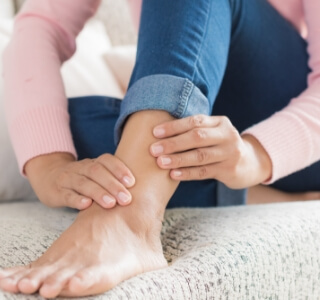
(159,132)
(85,200)
(157,149)
(124,198)
(177,173)
(166,161)
(108,200)
(128,180)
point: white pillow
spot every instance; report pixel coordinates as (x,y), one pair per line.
(121,60)
(86,73)
(6,9)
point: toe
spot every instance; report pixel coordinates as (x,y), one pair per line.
(10,271)
(10,283)
(54,284)
(89,281)
(31,283)
(81,281)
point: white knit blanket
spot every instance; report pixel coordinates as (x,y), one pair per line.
(249,252)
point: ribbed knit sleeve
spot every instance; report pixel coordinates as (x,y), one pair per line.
(292,136)
(35,101)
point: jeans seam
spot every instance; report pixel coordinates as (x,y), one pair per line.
(184,97)
(201,46)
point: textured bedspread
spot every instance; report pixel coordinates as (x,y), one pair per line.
(255,252)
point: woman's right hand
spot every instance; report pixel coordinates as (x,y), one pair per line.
(58,180)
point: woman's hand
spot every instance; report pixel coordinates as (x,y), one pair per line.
(59,180)
(202,147)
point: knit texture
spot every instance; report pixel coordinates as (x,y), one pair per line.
(253,252)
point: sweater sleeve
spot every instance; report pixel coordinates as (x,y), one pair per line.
(35,101)
(292,136)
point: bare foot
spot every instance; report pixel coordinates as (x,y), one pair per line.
(100,249)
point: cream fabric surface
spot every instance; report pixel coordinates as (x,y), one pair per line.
(255,252)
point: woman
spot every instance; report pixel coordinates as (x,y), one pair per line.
(244,60)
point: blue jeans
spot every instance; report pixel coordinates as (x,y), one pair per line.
(238,58)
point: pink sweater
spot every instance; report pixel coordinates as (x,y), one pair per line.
(36,104)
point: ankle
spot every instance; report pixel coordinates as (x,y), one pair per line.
(144,218)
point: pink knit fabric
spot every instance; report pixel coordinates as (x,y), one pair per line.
(36,105)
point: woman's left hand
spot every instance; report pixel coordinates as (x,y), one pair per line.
(209,147)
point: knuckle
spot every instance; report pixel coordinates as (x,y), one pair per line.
(197,120)
(68,196)
(234,134)
(178,161)
(203,171)
(224,120)
(201,156)
(85,161)
(187,173)
(94,168)
(200,134)
(104,157)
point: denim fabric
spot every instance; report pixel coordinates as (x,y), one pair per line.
(238,58)
(187,98)
(92,121)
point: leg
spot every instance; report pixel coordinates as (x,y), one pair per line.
(66,267)
(78,263)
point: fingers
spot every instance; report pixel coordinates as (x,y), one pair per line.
(180,126)
(75,200)
(103,180)
(118,169)
(195,138)
(109,177)
(106,194)
(194,173)
(197,157)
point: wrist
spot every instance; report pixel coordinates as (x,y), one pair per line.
(261,161)
(47,162)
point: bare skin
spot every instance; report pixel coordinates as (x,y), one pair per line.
(104,247)
(261,194)
(59,180)
(207,147)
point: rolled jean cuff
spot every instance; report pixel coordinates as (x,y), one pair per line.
(178,96)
